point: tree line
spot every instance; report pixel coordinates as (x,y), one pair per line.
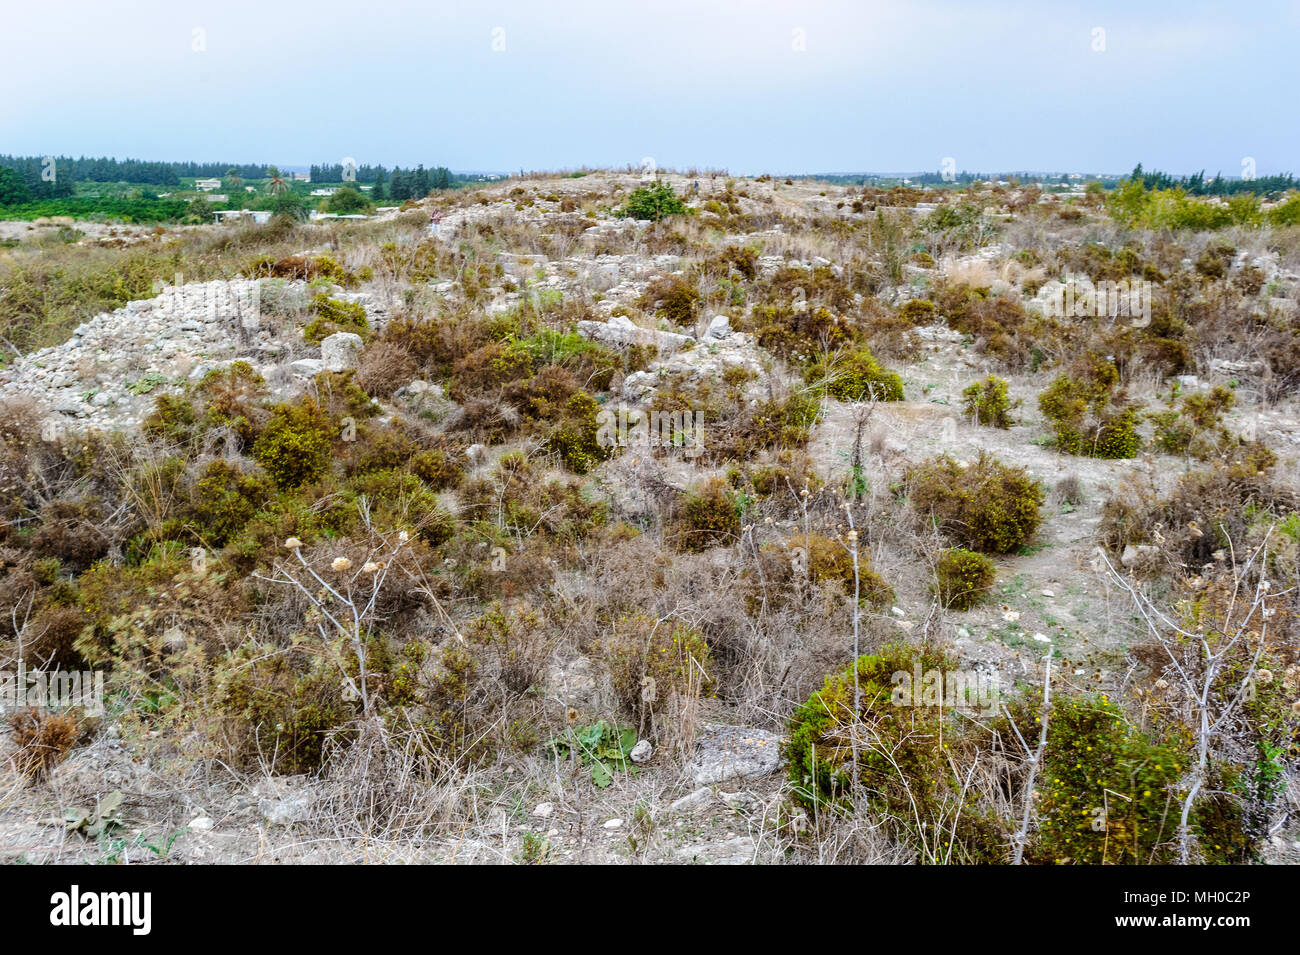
(104,169)
(398,185)
(1197,185)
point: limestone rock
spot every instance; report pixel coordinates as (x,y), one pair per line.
(340,351)
(731,752)
(719,327)
(621,332)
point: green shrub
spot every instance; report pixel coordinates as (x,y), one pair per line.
(436,468)
(575,437)
(334,316)
(674,297)
(1194,426)
(347,201)
(987,402)
(653,203)
(856,376)
(987,506)
(401,501)
(798,334)
(223,500)
(1109,791)
(272,702)
(1086,411)
(294,448)
(917,311)
(709,517)
(777,423)
(963,578)
(172,418)
(909,757)
(488,368)
(649,661)
(831,560)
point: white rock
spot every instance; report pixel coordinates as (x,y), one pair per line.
(719,327)
(614,824)
(733,752)
(543,809)
(307,367)
(1133,554)
(692,801)
(642,751)
(340,351)
(740,850)
(621,332)
(201,824)
(740,802)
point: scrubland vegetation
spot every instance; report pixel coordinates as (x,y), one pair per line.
(423,609)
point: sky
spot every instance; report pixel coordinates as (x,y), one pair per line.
(745,85)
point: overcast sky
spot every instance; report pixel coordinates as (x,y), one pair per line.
(749,86)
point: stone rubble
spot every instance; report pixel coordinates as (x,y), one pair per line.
(108,374)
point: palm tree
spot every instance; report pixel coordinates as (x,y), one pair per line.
(277,185)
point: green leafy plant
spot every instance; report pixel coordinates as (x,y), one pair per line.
(92,823)
(1194,424)
(604,747)
(147,384)
(332,316)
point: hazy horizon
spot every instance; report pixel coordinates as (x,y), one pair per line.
(753,87)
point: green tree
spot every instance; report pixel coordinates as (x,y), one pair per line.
(348,200)
(278,185)
(288,206)
(13,190)
(201,210)
(654,203)
(398,189)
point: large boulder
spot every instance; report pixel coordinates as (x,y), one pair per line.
(621,332)
(340,351)
(726,753)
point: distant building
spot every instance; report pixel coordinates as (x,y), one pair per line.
(207,185)
(260,216)
(324,192)
(302,177)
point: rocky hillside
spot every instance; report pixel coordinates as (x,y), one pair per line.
(547,533)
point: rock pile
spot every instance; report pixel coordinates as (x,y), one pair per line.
(109,372)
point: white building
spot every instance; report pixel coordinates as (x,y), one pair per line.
(260,216)
(207,185)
